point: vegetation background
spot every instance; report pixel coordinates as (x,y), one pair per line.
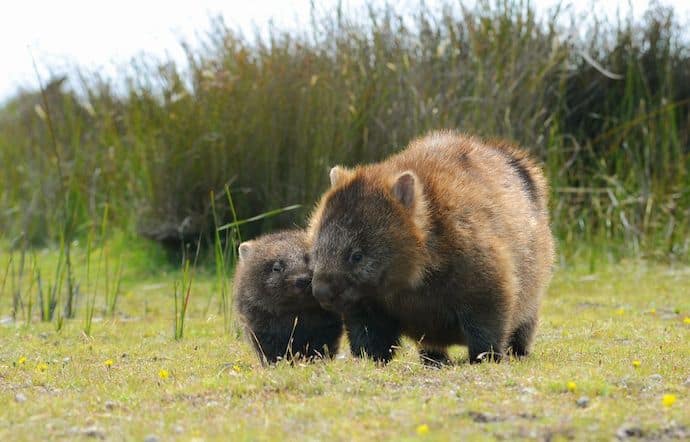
(112,191)
(605,105)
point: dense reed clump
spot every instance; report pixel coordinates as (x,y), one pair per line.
(608,113)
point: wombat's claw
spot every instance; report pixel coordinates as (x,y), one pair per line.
(490,356)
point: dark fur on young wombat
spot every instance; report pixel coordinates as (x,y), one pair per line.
(272,292)
(447,242)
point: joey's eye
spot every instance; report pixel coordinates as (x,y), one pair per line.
(306,258)
(278,266)
(356,257)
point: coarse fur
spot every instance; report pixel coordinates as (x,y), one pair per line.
(447,242)
(272,293)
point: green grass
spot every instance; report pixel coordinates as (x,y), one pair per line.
(593,326)
(101,336)
(268,116)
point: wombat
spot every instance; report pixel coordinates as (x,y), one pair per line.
(272,293)
(447,242)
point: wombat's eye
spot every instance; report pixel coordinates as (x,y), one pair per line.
(278,266)
(306,258)
(356,257)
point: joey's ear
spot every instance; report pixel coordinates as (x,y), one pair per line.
(245,250)
(404,188)
(338,175)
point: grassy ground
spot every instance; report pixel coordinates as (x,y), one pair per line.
(619,337)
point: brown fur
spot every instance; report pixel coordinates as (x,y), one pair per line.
(448,240)
(272,293)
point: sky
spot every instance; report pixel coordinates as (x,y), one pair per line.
(102,35)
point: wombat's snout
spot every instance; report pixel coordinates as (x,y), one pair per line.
(302,282)
(323,292)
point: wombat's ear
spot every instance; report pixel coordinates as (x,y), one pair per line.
(338,175)
(245,250)
(404,188)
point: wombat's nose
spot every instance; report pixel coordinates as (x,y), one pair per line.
(302,282)
(322,292)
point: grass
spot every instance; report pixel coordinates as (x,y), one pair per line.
(87,347)
(604,105)
(182,290)
(616,336)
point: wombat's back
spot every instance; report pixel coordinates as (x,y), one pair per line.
(489,200)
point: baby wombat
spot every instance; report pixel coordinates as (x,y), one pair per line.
(272,292)
(447,242)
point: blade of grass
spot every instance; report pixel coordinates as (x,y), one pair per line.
(261,216)
(221,267)
(115,293)
(5,275)
(186,291)
(29,301)
(90,290)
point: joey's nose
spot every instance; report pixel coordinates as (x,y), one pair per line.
(302,282)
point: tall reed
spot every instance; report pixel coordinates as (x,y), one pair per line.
(607,111)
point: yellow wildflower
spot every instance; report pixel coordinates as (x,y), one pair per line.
(237,368)
(571,386)
(652,311)
(41,367)
(686,320)
(422,429)
(620,312)
(21,360)
(636,363)
(163,373)
(668,400)
(109,363)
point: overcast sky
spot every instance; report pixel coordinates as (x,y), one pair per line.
(100,35)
